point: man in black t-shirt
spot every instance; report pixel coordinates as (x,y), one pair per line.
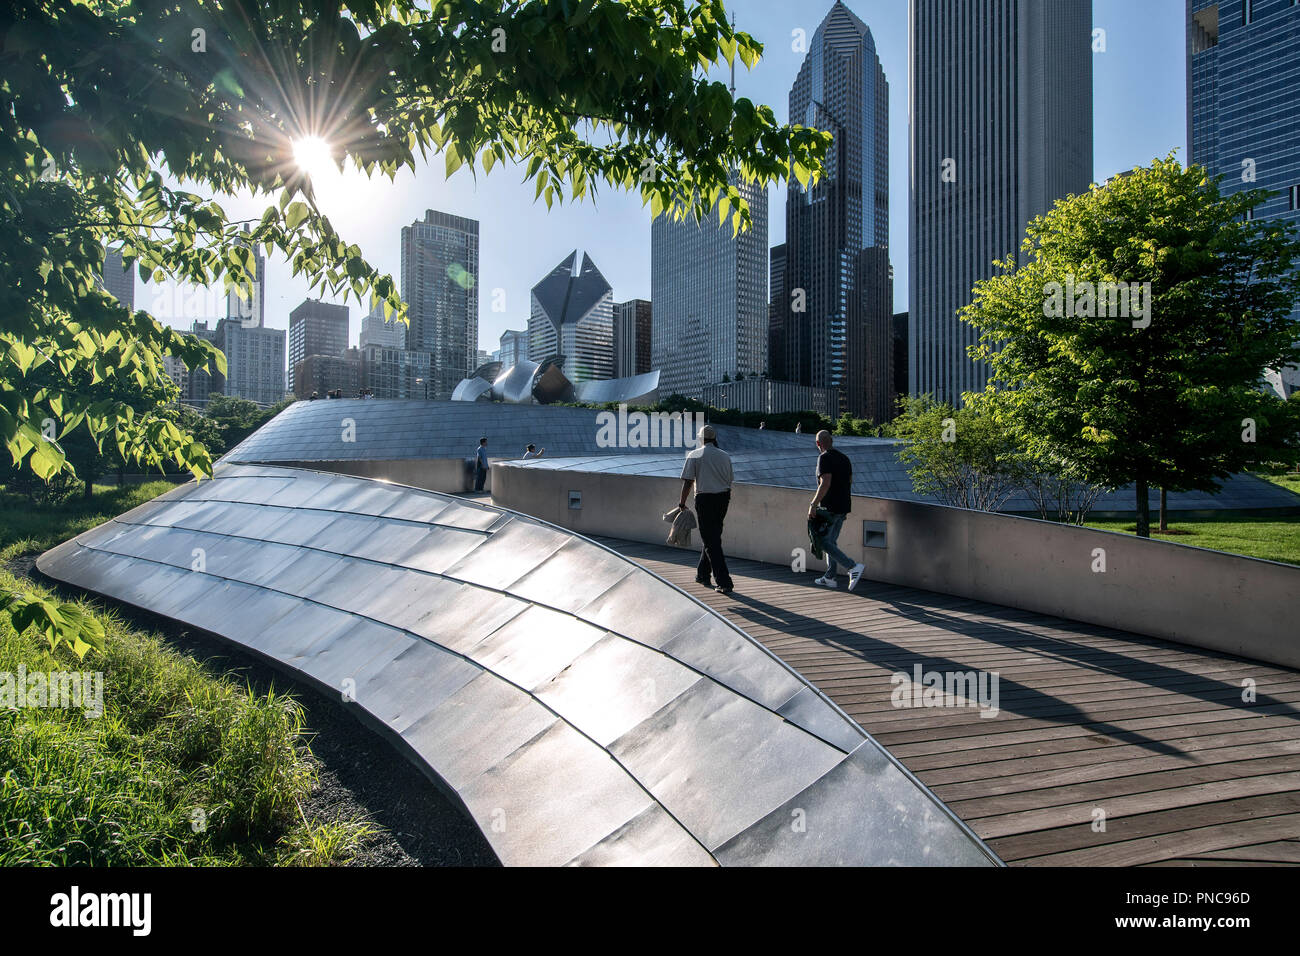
(835,494)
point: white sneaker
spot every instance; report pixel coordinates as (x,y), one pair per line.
(855,575)
(827,582)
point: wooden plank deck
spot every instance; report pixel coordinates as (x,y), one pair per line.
(1153,734)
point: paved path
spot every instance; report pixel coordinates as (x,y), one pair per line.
(1092,721)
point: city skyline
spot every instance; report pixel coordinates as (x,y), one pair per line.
(1138,84)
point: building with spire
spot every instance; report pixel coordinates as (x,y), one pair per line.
(832,326)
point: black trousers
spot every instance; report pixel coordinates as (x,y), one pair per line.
(480,475)
(710,511)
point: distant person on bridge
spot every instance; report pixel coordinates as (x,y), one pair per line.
(709,469)
(480,464)
(835,493)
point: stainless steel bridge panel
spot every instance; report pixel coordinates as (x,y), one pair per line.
(580,709)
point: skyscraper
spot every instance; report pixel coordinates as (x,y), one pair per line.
(376,330)
(573,316)
(316,328)
(1001,127)
(440,286)
(119,282)
(255,361)
(250,308)
(776,309)
(832,327)
(1243,87)
(709,295)
(514,346)
(632,333)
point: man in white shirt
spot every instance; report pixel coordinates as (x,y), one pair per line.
(709,469)
(532,452)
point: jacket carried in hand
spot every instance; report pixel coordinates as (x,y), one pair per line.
(818,525)
(682,521)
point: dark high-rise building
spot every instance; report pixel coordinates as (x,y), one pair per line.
(1243,98)
(316,328)
(632,331)
(900,357)
(831,329)
(776,309)
(709,289)
(322,374)
(1001,127)
(119,281)
(440,286)
(573,316)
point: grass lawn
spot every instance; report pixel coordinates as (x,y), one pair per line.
(1288,480)
(181,766)
(1276,539)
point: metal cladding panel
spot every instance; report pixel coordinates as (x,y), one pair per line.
(547,818)
(466,617)
(464,516)
(806,709)
(436,549)
(599,713)
(471,390)
(572,577)
(647,609)
(414,683)
(718,762)
(713,647)
(512,551)
(613,686)
(863,812)
(634,389)
(387,538)
(354,654)
(515,385)
(476,728)
(652,839)
(187,588)
(417,508)
(535,646)
(312,623)
(303,574)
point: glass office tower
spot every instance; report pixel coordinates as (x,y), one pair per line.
(709,293)
(1243,106)
(440,287)
(831,327)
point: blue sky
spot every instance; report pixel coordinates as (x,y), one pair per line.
(1139,113)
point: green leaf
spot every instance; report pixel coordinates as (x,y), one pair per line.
(296,215)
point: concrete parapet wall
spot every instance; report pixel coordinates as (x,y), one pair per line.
(1194,596)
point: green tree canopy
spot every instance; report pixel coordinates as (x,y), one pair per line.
(111,111)
(1131,337)
(959,455)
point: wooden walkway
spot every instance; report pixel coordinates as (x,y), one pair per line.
(1096,727)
